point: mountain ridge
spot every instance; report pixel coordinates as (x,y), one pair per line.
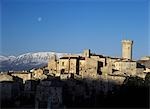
(26,61)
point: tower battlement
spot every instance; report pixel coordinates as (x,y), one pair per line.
(127,41)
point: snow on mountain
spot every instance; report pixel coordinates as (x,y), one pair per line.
(37,57)
(6,58)
(26,61)
(11,58)
(3,58)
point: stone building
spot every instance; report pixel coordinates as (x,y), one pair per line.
(145,66)
(99,58)
(37,73)
(91,65)
(108,68)
(126,66)
(147,70)
(92,68)
(23,75)
(81,66)
(53,64)
(145,58)
(127,49)
(86,65)
(69,64)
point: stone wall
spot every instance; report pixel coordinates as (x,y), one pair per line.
(52,66)
(128,67)
(68,65)
(23,75)
(38,73)
(91,68)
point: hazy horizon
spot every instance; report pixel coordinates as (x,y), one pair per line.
(71,26)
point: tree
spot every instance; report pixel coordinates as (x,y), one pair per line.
(147,79)
(134,81)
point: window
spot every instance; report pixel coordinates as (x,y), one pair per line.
(62,63)
(128,48)
(62,71)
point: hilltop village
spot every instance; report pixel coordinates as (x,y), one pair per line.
(90,65)
(46,87)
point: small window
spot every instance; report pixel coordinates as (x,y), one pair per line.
(62,63)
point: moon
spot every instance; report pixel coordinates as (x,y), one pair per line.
(39,19)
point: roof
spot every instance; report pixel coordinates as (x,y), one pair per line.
(146,63)
(81,58)
(69,58)
(101,56)
(19,72)
(124,60)
(112,57)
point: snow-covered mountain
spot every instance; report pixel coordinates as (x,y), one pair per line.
(26,61)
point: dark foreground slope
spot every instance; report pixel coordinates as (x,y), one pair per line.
(134,93)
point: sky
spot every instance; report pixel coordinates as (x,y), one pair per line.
(71,26)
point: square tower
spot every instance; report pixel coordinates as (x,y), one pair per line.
(127,49)
(86,53)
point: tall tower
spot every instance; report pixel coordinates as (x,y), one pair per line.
(127,49)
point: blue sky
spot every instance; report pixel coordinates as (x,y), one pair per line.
(71,26)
